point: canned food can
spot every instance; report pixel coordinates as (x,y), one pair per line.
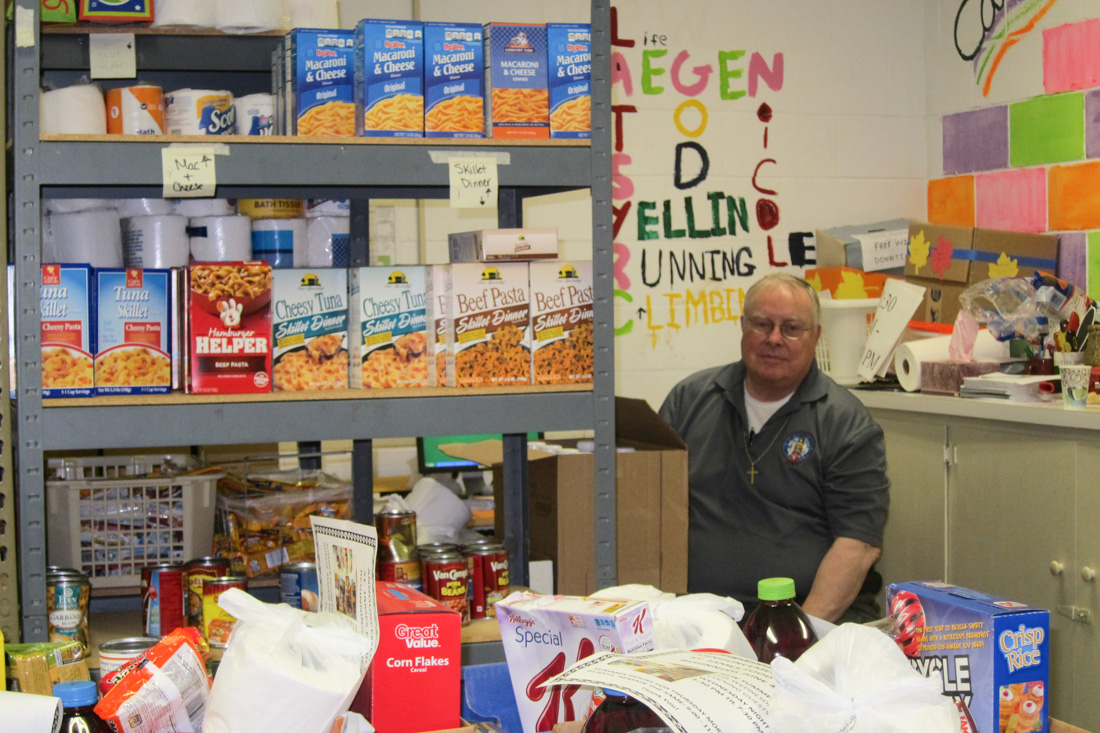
(113,654)
(298,586)
(163,599)
(429,548)
(196,571)
(446,578)
(216,623)
(397,557)
(67,596)
(488,578)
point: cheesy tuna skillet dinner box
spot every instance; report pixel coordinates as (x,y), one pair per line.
(229,324)
(309,323)
(134,331)
(68,330)
(992,654)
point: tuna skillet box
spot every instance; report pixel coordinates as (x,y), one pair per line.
(993,654)
(419,650)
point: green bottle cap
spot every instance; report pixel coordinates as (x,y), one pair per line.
(775,589)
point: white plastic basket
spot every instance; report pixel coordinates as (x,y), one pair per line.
(108,520)
(844,327)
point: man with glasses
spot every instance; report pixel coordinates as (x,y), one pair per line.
(787,470)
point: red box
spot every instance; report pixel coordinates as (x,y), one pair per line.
(418,659)
(229,328)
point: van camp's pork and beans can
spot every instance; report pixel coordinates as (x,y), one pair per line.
(216,623)
(446,578)
(197,571)
(163,599)
(113,654)
(67,595)
(488,578)
(397,557)
(298,586)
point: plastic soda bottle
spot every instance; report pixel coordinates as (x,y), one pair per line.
(621,713)
(778,627)
(78,700)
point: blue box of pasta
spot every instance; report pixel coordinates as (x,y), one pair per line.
(992,654)
(389,78)
(133,331)
(516,85)
(320,76)
(569,52)
(453,80)
(67,306)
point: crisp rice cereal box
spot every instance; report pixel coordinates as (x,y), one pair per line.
(388,327)
(438,297)
(516,87)
(561,322)
(321,96)
(134,331)
(309,329)
(489,325)
(389,78)
(453,80)
(570,74)
(68,331)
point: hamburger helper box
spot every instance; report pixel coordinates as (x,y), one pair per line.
(544,635)
(992,654)
(419,651)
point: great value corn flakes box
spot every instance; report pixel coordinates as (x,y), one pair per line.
(489,325)
(437,299)
(561,322)
(570,76)
(453,80)
(67,307)
(309,329)
(516,87)
(389,78)
(992,654)
(134,331)
(320,73)
(388,327)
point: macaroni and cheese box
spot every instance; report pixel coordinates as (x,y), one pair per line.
(991,653)
(453,80)
(570,74)
(229,327)
(438,296)
(488,325)
(561,322)
(309,329)
(516,88)
(388,327)
(389,78)
(490,245)
(134,331)
(319,71)
(68,331)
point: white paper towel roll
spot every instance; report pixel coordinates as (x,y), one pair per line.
(249,16)
(220,238)
(281,242)
(327,241)
(255,114)
(144,207)
(28,713)
(155,241)
(200,112)
(69,206)
(908,357)
(185,14)
(313,13)
(204,207)
(78,109)
(94,237)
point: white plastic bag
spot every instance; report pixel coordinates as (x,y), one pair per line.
(694,621)
(857,680)
(285,669)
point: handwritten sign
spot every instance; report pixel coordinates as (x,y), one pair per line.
(473,183)
(188,172)
(112,55)
(883,250)
(899,302)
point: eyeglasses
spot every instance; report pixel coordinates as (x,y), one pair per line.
(791,330)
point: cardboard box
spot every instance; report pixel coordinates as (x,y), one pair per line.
(309,328)
(490,245)
(651,504)
(320,71)
(36,668)
(116,11)
(454,80)
(389,78)
(569,54)
(992,654)
(489,325)
(134,331)
(436,301)
(68,317)
(946,260)
(847,283)
(841,246)
(388,327)
(419,648)
(517,97)
(561,322)
(55,12)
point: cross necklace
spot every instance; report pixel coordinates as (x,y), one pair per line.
(752,461)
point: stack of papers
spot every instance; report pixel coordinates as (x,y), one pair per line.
(1015,387)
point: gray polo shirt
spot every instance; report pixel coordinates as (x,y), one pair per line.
(820,464)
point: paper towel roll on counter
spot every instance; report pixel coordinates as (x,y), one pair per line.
(29,713)
(74,110)
(908,357)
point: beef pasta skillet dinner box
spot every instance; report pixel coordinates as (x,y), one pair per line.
(68,330)
(489,325)
(438,297)
(134,331)
(309,329)
(992,654)
(229,321)
(389,327)
(561,322)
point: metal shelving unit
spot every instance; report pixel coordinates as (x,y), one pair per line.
(74,166)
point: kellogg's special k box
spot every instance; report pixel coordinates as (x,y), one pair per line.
(134,331)
(489,325)
(67,306)
(992,654)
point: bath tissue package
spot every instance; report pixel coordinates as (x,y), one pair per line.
(328,241)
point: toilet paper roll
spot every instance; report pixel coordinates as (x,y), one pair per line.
(255,114)
(78,110)
(136,110)
(204,207)
(185,14)
(30,713)
(908,357)
(155,241)
(327,241)
(220,238)
(69,206)
(200,112)
(249,16)
(313,13)
(128,208)
(92,237)
(327,207)
(281,242)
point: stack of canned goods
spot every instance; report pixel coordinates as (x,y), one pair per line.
(488,562)
(198,570)
(469,579)
(68,593)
